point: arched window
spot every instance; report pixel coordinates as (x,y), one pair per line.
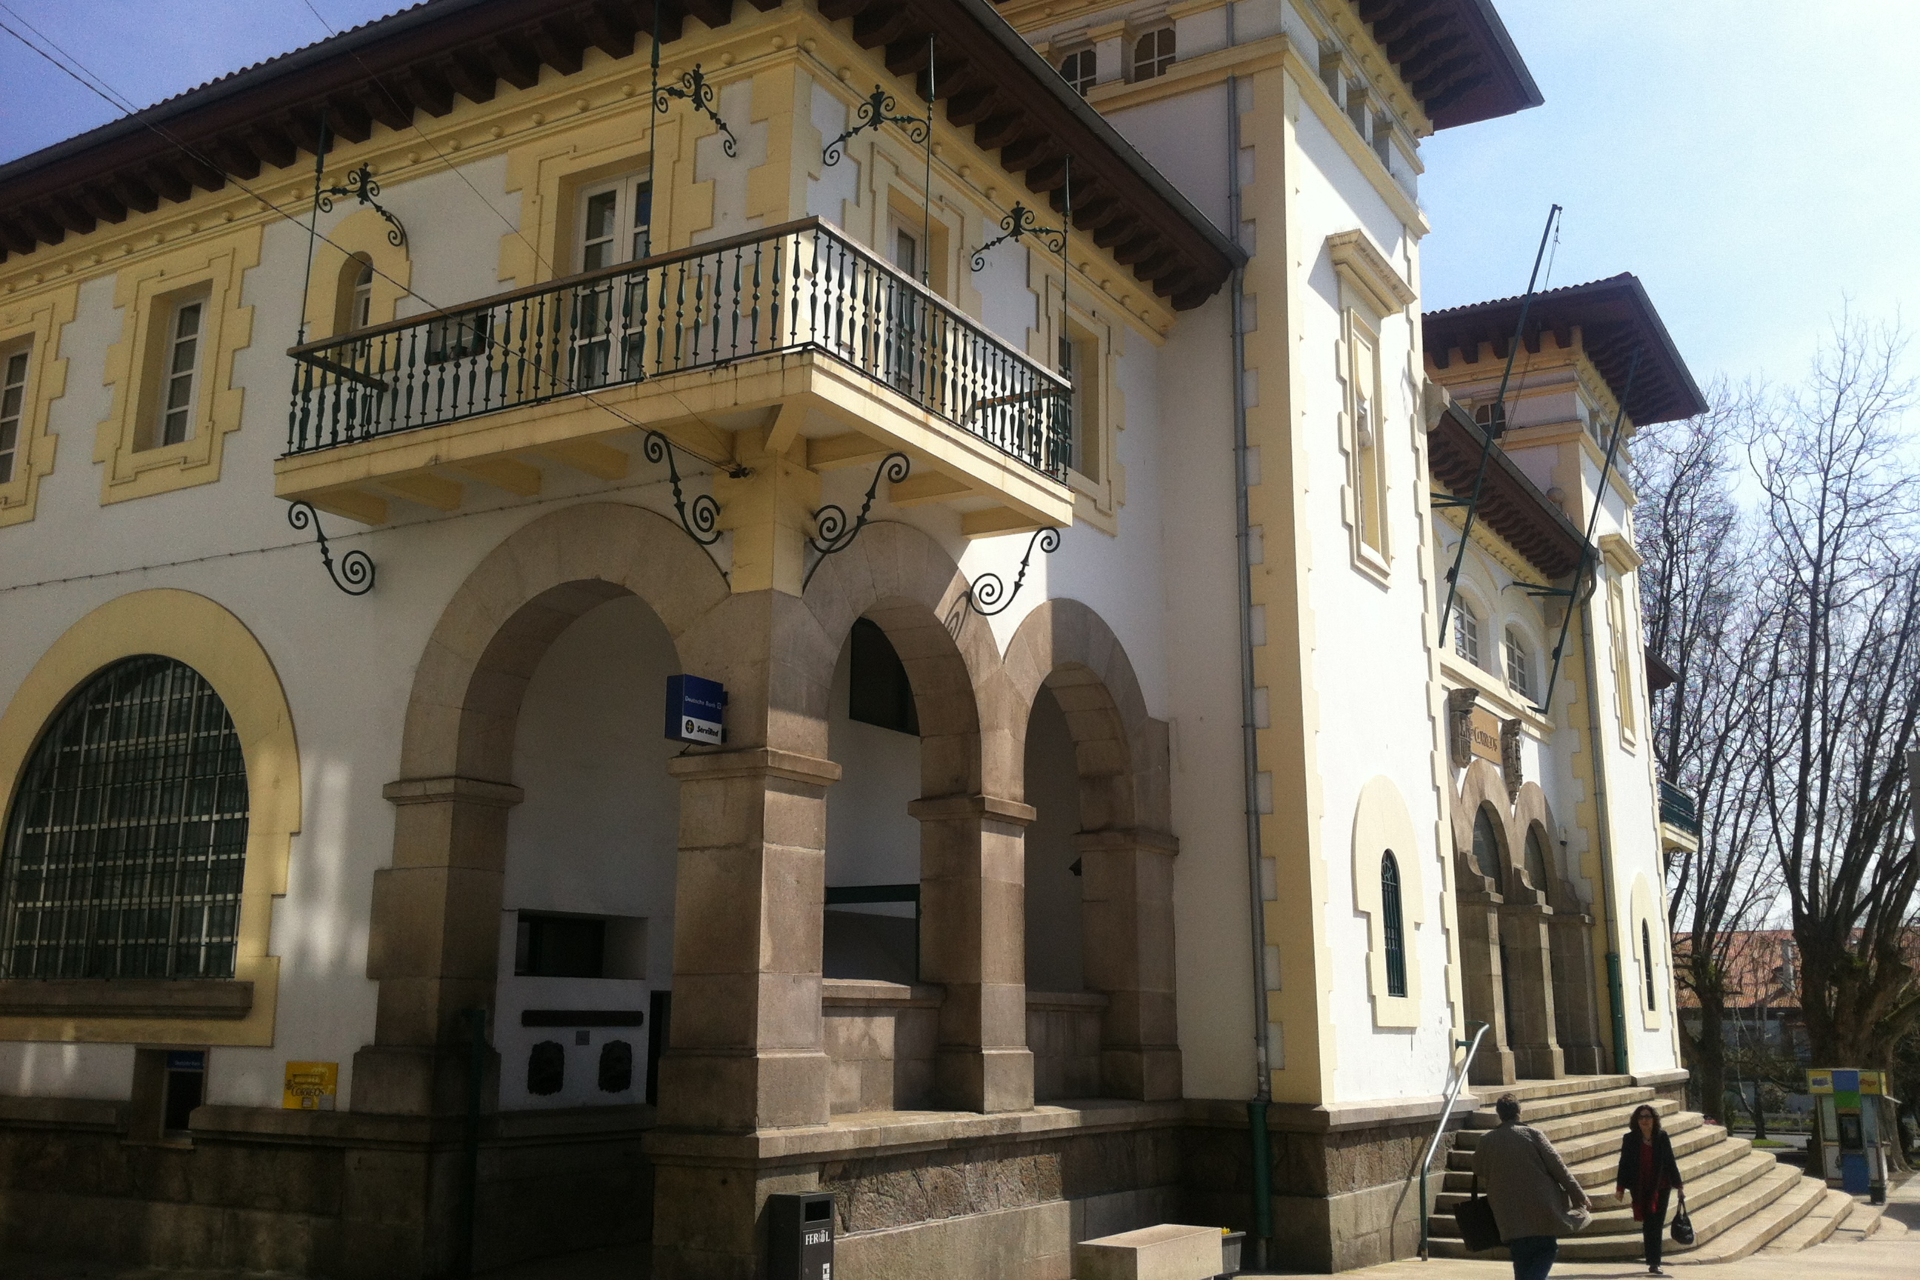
(126,842)
(1486,849)
(360,309)
(1080,69)
(1466,632)
(1536,860)
(1153,54)
(1646,949)
(1519,663)
(1390,919)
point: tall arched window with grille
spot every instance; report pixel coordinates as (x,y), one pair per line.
(1537,860)
(1391,927)
(126,841)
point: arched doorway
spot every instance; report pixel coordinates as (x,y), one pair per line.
(1483,871)
(586,942)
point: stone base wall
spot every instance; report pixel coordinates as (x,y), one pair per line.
(314,1193)
(934,1196)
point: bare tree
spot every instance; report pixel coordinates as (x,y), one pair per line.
(1841,694)
(1707,620)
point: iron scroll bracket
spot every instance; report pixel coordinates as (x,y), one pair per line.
(879,108)
(355,572)
(988,596)
(696,89)
(1017,225)
(360,185)
(830,521)
(700,515)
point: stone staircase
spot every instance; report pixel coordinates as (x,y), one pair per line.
(1741,1200)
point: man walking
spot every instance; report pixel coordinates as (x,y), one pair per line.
(1529,1188)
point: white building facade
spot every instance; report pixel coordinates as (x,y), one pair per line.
(363,916)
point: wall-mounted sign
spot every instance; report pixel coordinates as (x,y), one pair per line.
(1486,736)
(694,709)
(310,1086)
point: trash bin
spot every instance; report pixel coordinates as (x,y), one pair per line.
(800,1236)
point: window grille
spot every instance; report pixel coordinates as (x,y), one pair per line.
(1153,54)
(1486,849)
(1391,925)
(13,400)
(1079,69)
(127,839)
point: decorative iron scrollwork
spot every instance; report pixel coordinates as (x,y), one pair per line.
(879,108)
(698,90)
(700,516)
(361,186)
(988,594)
(356,569)
(1017,225)
(835,534)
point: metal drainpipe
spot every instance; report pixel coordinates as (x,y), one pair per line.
(1603,834)
(1263,1050)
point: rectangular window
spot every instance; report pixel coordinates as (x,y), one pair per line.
(13,409)
(1330,70)
(1080,365)
(1466,633)
(1357,105)
(1153,54)
(615,220)
(1079,69)
(906,251)
(559,947)
(182,364)
(1369,455)
(1622,659)
(1383,138)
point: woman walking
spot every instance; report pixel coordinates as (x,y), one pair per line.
(1649,1171)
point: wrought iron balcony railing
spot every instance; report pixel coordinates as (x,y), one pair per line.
(1677,809)
(802,287)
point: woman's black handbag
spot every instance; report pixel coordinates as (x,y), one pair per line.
(1682,1224)
(1474,1217)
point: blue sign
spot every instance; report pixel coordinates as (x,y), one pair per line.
(694,709)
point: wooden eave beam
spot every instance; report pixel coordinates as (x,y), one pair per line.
(70,215)
(1430,84)
(715,13)
(882,24)
(472,76)
(561,45)
(348,117)
(430,91)
(907,56)
(1453,93)
(134,191)
(514,62)
(16,237)
(388,104)
(999,129)
(233,154)
(1026,151)
(168,181)
(101,203)
(970,106)
(610,31)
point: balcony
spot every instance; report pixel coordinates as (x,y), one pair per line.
(1678,810)
(822,338)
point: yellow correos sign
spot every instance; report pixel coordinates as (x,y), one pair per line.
(311,1086)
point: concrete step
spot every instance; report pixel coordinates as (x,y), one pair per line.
(1868,1220)
(1603,1145)
(1749,1216)
(1615,1216)
(1738,1240)
(1546,1110)
(1700,1153)
(1819,1223)
(1529,1091)
(1561,1130)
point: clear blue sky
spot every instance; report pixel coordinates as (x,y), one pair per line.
(1751,160)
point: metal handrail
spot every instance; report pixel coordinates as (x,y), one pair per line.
(1446,1113)
(799,287)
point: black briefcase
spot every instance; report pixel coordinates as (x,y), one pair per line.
(1474,1216)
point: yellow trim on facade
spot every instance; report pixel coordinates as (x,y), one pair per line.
(204,635)
(142,292)
(39,320)
(361,234)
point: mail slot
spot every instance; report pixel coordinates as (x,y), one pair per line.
(800,1236)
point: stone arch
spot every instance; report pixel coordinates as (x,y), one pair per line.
(433,945)
(224,651)
(1576,1007)
(1483,786)
(1532,814)
(972,903)
(1125,846)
